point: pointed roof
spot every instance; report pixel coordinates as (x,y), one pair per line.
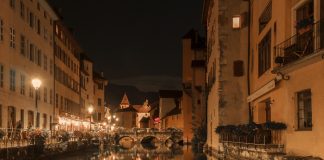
(124,100)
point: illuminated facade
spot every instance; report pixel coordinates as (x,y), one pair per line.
(286,71)
(99,96)
(26,51)
(67,73)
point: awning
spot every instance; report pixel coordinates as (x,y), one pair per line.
(263,90)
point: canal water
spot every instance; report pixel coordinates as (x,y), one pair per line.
(180,153)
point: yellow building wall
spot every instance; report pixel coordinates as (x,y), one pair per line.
(283,97)
(11,58)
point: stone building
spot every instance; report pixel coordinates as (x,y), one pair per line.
(227,58)
(126,110)
(26,51)
(193,80)
(138,115)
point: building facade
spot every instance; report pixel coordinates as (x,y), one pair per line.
(87,85)
(126,110)
(171,113)
(193,80)
(99,95)
(26,51)
(264,62)
(66,74)
(226,74)
(286,71)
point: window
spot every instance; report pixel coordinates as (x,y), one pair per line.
(268,110)
(99,116)
(45,62)
(13,4)
(31,20)
(56,100)
(61,102)
(31,52)
(30,119)
(99,101)
(1,29)
(31,91)
(11,117)
(12,80)
(1,76)
(304,109)
(22,45)
(44,120)
(22,118)
(265,53)
(37,120)
(265,16)
(45,33)
(22,9)
(51,66)
(238,68)
(39,57)
(38,26)
(51,96)
(236,22)
(38,6)
(45,94)
(22,84)
(12,38)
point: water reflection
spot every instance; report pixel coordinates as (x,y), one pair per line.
(137,153)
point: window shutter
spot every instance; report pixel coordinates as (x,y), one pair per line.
(238,68)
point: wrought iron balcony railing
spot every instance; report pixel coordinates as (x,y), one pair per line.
(308,41)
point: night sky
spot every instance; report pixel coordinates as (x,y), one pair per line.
(134,42)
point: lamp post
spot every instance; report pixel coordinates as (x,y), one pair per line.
(90,110)
(36,84)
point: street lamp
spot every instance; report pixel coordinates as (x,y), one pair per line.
(90,110)
(36,84)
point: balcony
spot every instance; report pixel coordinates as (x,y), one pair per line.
(305,43)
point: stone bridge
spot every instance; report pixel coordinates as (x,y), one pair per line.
(167,137)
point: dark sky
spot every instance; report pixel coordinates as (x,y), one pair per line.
(134,42)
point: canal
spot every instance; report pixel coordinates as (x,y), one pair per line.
(180,153)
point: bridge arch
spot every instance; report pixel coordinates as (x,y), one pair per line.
(150,142)
(169,142)
(126,142)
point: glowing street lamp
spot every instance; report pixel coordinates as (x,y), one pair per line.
(90,110)
(36,84)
